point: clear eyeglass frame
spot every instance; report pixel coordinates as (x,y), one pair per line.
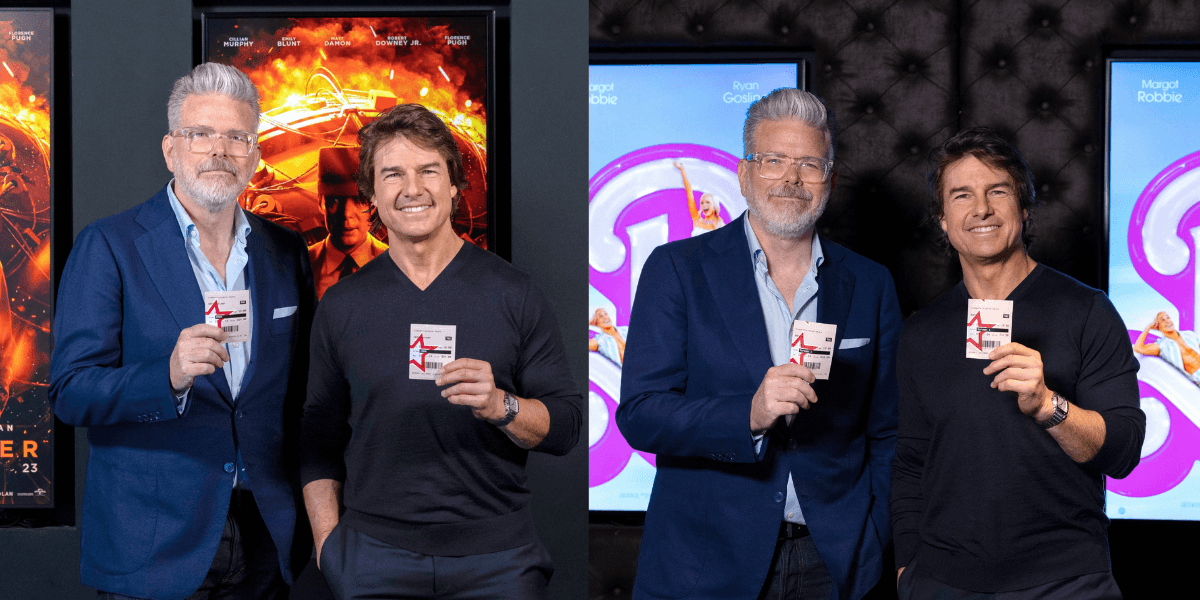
(774,166)
(201,140)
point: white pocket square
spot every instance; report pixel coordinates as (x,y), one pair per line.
(285,311)
(848,343)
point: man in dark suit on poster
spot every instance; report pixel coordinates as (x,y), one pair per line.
(348,219)
(773,474)
(181,344)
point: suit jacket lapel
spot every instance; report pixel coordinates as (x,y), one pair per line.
(835,289)
(166,261)
(730,276)
(258,281)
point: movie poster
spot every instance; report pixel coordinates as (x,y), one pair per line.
(322,79)
(26,418)
(663,148)
(1153,280)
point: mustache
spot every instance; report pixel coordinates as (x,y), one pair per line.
(216,163)
(787,190)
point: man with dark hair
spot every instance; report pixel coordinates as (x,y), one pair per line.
(434,479)
(761,490)
(181,340)
(348,218)
(1005,438)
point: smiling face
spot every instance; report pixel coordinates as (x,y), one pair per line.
(786,207)
(981,212)
(601,319)
(214,179)
(1164,323)
(707,208)
(413,193)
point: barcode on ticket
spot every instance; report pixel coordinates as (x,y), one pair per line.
(812,365)
(229,328)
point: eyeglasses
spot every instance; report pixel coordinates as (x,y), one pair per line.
(775,166)
(201,140)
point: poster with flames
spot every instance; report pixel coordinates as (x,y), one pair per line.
(324,78)
(26,418)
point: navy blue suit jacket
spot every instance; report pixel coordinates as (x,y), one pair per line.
(157,484)
(696,354)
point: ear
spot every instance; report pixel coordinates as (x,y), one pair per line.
(743,174)
(168,148)
(832,181)
(942,222)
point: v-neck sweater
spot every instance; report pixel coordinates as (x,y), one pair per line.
(420,473)
(985,497)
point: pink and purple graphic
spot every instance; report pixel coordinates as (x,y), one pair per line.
(637,203)
(663,147)
(1164,242)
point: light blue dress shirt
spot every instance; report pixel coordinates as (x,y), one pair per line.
(779,327)
(210,281)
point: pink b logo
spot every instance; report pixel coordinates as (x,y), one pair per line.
(1164,241)
(635,204)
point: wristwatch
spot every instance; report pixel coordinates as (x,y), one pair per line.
(510,410)
(1060,412)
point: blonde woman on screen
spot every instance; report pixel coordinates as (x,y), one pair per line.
(1176,347)
(708,216)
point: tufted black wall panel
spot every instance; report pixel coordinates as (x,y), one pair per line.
(903,76)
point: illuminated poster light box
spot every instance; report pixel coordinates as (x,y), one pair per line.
(324,77)
(26,417)
(1153,194)
(659,129)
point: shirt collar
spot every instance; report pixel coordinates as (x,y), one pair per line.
(241,225)
(758,257)
(334,256)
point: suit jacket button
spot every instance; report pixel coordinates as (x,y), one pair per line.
(239,414)
(779,496)
(229,467)
(791,444)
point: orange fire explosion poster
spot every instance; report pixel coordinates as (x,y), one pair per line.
(324,78)
(26,418)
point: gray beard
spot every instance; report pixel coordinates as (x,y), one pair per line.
(212,196)
(783,220)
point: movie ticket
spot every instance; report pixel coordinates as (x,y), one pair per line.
(812,346)
(430,347)
(989,326)
(231,312)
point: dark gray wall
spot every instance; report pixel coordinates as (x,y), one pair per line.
(125,55)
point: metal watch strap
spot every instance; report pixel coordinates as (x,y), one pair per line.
(1060,412)
(511,407)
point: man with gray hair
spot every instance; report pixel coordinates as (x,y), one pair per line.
(181,337)
(760,368)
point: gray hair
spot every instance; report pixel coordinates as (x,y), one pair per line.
(211,78)
(790,103)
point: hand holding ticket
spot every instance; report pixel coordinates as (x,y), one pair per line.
(784,391)
(198,351)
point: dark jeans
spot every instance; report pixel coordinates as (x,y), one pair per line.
(246,566)
(358,566)
(797,572)
(915,584)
